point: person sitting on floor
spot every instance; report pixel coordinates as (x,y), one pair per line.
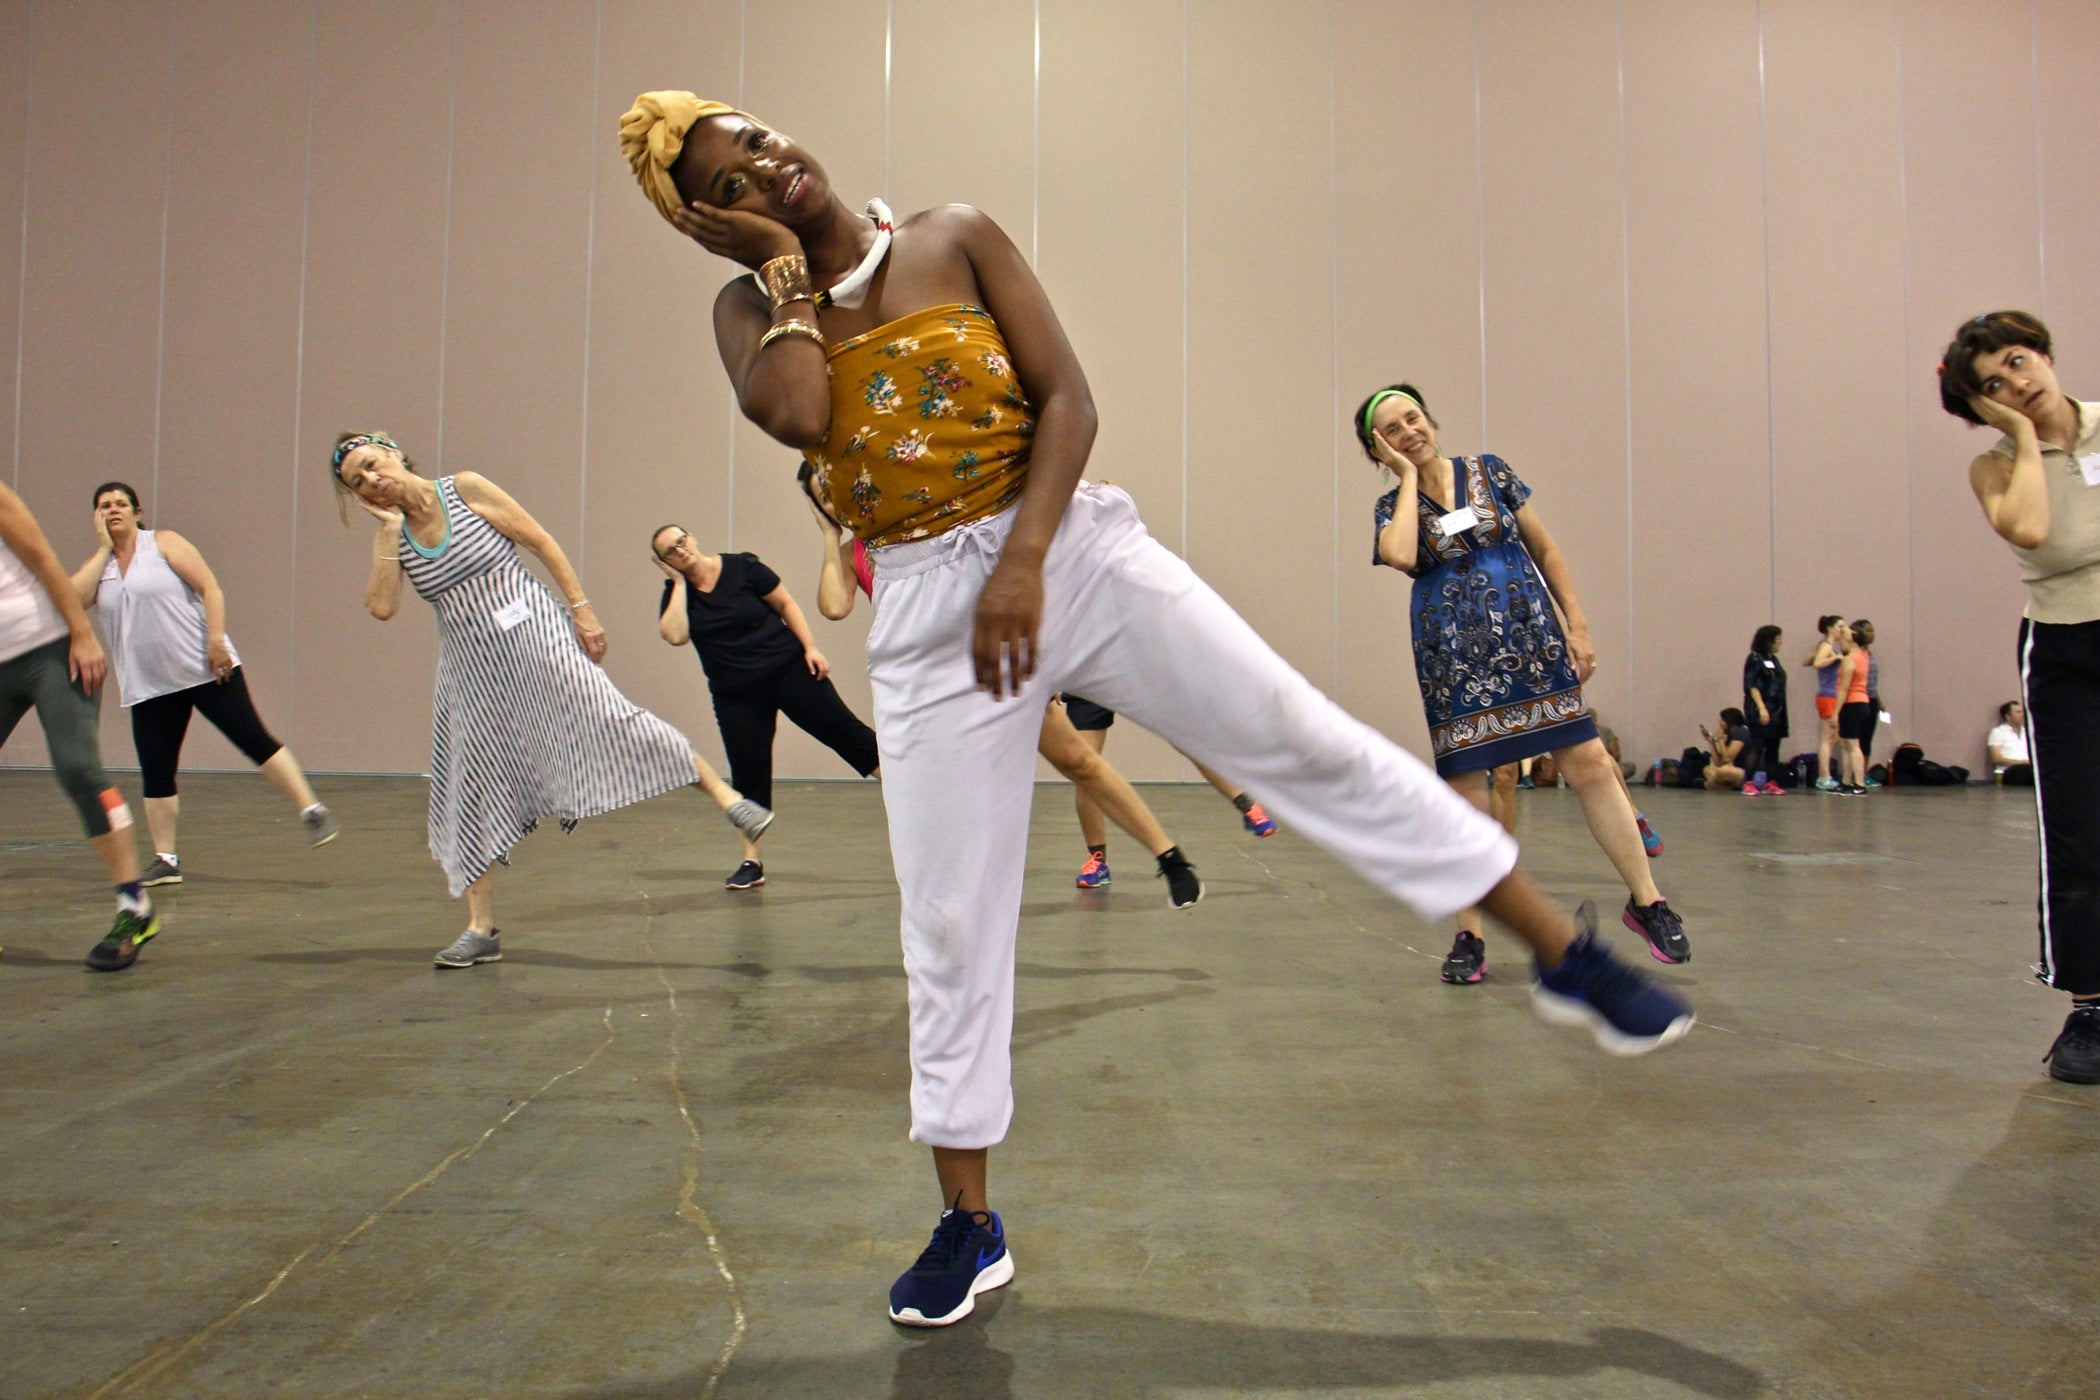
(1723,771)
(2007,743)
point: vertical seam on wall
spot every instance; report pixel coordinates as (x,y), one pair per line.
(1626,319)
(1184,282)
(1480,237)
(590,256)
(445,241)
(889,38)
(729,420)
(1764,169)
(306,197)
(1035,157)
(1334,337)
(22,270)
(2041,241)
(1910,426)
(160,314)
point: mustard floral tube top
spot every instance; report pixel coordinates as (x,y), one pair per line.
(929,427)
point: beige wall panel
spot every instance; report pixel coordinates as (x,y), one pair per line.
(1410,304)
(1701,468)
(659,404)
(91,304)
(1109,255)
(229,384)
(1261,473)
(1840,370)
(1966,595)
(962,119)
(521,177)
(840,121)
(1551,208)
(374,324)
(16,36)
(2067,55)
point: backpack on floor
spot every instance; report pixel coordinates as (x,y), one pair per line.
(1903,765)
(1691,768)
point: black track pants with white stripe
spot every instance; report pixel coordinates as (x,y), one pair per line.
(2060,686)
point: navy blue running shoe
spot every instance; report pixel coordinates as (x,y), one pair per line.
(967,1256)
(1628,1014)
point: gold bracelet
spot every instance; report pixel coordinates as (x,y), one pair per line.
(787,279)
(795,327)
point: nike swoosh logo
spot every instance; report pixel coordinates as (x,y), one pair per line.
(983,1258)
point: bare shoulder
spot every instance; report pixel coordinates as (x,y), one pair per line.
(963,224)
(741,300)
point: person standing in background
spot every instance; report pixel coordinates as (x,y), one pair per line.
(1824,659)
(1853,709)
(2039,487)
(1764,705)
(51,662)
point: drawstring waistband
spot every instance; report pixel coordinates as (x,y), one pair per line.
(986,537)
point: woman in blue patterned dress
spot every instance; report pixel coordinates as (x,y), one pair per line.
(1501,681)
(526,724)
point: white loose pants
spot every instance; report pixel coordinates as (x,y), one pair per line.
(1129,625)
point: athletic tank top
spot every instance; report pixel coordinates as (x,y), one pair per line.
(1862,662)
(155,625)
(929,426)
(29,618)
(1827,678)
(2063,574)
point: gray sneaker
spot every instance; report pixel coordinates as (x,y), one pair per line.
(160,873)
(470,948)
(321,826)
(749,818)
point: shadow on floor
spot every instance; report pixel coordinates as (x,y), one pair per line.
(1099,1351)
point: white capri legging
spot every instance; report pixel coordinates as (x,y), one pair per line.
(1129,625)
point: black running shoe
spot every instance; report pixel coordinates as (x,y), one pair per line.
(749,876)
(1467,962)
(1183,888)
(119,948)
(2075,1057)
(1659,924)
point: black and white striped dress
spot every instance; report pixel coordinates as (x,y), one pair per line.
(526,725)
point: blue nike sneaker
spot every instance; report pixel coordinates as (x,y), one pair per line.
(967,1256)
(1628,1014)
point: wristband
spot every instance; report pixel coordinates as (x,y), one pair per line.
(796,327)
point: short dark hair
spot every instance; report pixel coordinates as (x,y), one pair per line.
(2005,710)
(1984,335)
(1863,631)
(658,531)
(806,478)
(1733,718)
(1357,421)
(1767,637)
(129,491)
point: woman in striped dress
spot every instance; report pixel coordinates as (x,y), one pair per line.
(526,725)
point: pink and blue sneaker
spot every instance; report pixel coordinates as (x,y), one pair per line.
(1094,874)
(1257,822)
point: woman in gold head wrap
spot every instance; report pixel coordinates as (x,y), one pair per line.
(920,369)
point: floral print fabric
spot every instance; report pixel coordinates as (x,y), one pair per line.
(1497,682)
(929,427)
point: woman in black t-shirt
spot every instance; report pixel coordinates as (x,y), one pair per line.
(1764,708)
(761,663)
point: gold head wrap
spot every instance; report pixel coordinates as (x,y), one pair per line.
(653,132)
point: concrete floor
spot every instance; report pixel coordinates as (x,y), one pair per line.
(659,1151)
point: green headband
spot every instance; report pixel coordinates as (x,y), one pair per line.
(1381,396)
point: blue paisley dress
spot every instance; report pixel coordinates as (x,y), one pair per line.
(1497,682)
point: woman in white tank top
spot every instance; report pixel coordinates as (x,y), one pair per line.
(165,619)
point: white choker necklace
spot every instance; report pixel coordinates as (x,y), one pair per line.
(850,291)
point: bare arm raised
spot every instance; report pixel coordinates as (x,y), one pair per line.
(493,504)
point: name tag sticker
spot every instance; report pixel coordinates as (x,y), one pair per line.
(2090,465)
(1457,522)
(513,613)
